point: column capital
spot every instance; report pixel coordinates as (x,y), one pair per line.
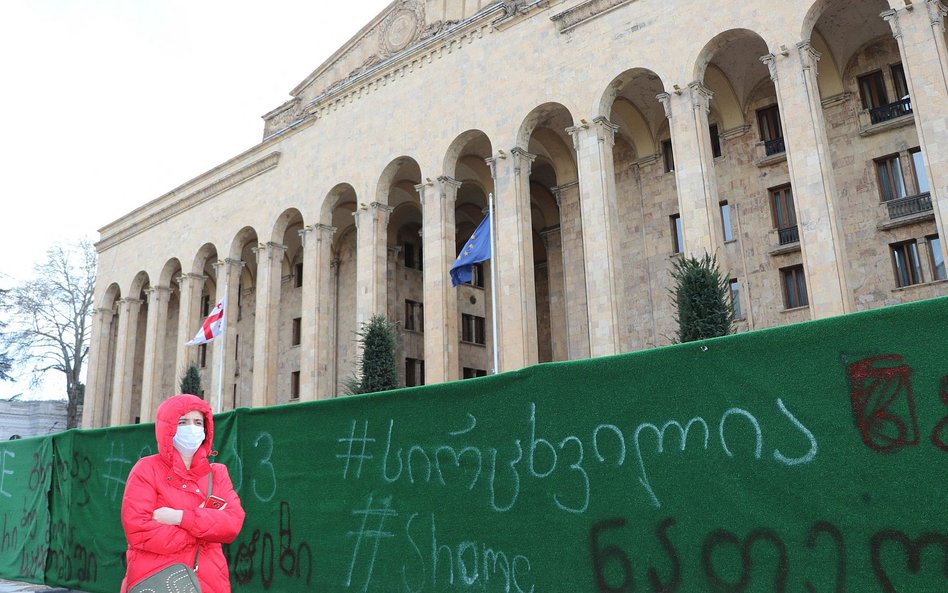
(493,161)
(522,160)
(191,276)
(605,129)
(319,231)
(422,189)
(559,190)
(937,12)
(700,96)
(103,311)
(665,100)
(809,56)
(375,210)
(129,302)
(892,17)
(158,292)
(448,182)
(770,61)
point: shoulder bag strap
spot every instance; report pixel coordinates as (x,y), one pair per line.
(210,488)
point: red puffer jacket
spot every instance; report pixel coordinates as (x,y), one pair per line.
(162,480)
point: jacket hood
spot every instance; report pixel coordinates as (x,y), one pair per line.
(166,425)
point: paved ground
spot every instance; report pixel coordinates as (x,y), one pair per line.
(15,587)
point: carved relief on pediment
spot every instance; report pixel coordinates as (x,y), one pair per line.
(401,28)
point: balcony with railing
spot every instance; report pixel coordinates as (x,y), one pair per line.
(909,206)
(878,115)
(788,235)
(775,146)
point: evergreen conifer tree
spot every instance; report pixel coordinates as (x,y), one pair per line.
(191,381)
(378,340)
(702,298)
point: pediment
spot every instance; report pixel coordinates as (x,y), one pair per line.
(401,25)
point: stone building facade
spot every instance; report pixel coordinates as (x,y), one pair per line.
(804,142)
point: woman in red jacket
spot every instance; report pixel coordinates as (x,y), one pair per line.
(166,512)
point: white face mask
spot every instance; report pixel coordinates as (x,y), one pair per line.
(188,439)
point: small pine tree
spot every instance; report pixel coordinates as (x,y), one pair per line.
(378,340)
(191,381)
(702,298)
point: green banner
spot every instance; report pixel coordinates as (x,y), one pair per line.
(805,458)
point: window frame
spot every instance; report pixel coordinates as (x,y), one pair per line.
(414,372)
(771,116)
(668,155)
(473,329)
(414,322)
(918,185)
(734,286)
(298,273)
(715,133)
(790,213)
(913,271)
(878,78)
(727,228)
(899,80)
(678,233)
(886,162)
(795,277)
(296,337)
(295,385)
(930,241)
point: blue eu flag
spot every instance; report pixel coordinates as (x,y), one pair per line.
(476,250)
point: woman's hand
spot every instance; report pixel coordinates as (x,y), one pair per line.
(168,516)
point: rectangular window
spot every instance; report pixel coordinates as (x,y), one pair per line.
(202,356)
(236,346)
(297,331)
(412,255)
(298,274)
(715,140)
(205,305)
(473,329)
(898,81)
(414,316)
(768,120)
(295,385)
(905,262)
(736,298)
(678,237)
(477,276)
(471,373)
(794,287)
(782,208)
(891,183)
(726,221)
(414,372)
(872,90)
(669,155)
(921,175)
(934,254)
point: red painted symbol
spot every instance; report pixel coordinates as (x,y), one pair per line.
(883,403)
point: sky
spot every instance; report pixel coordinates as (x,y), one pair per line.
(108,104)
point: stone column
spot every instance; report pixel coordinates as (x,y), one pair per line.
(189,320)
(516,305)
(695,179)
(600,222)
(155,330)
(574,270)
(316,338)
(267,323)
(372,260)
(439,244)
(822,241)
(228,281)
(128,310)
(921,36)
(97,381)
(559,329)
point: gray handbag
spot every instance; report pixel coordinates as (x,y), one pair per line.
(177,578)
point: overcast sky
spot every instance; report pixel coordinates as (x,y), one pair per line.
(108,104)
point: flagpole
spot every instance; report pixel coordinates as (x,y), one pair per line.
(493,283)
(220,370)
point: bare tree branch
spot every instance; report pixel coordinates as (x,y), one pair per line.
(47,326)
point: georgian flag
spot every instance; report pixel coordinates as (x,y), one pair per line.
(213,326)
